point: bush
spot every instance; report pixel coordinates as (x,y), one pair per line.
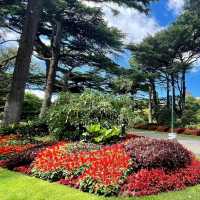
(31,106)
(179,130)
(132,118)
(154,181)
(25,156)
(141,126)
(152,127)
(189,131)
(73,113)
(164,116)
(93,186)
(31,128)
(163,129)
(190,116)
(152,153)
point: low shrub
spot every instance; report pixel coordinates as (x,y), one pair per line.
(31,128)
(51,176)
(154,181)
(129,136)
(152,153)
(31,106)
(189,131)
(17,156)
(163,129)
(180,130)
(93,186)
(25,169)
(141,126)
(8,130)
(152,127)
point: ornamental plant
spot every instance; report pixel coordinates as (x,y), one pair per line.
(98,134)
(71,114)
(149,153)
(154,181)
(106,165)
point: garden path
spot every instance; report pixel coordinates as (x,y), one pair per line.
(190,142)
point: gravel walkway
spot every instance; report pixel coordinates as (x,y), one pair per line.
(190,142)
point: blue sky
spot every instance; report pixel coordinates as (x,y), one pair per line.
(163,14)
(136,26)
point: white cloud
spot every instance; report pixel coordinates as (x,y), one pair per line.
(176,6)
(135,25)
(196,67)
(9,35)
(40,94)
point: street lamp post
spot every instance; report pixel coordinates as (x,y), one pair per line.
(172,135)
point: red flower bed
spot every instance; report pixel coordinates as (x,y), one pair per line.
(106,165)
(5,150)
(7,138)
(23,169)
(154,181)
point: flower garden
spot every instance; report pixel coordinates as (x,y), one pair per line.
(132,166)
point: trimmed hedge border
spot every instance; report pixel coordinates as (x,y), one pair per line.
(160,128)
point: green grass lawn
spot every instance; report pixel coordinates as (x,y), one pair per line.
(15,186)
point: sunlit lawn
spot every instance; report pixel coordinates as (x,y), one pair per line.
(15,186)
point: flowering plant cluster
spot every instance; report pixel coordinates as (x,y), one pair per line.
(23,169)
(154,181)
(153,153)
(133,167)
(5,150)
(12,145)
(106,165)
(5,139)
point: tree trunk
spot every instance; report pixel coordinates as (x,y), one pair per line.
(13,106)
(184,90)
(173,92)
(168,92)
(150,105)
(52,68)
(47,62)
(154,98)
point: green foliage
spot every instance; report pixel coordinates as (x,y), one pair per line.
(98,134)
(191,114)
(71,114)
(164,116)
(32,103)
(82,146)
(50,176)
(29,129)
(93,186)
(31,106)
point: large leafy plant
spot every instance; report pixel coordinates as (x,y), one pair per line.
(98,134)
(72,113)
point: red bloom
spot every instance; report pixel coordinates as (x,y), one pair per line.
(154,181)
(106,165)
